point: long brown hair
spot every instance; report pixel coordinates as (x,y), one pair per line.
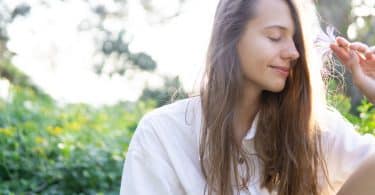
(288,139)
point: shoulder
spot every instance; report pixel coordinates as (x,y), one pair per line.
(341,137)
(177,108)
(164,125)
(336,130)
(345,148)
(332,122)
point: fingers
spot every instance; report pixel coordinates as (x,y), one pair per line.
(344,51)
(346,56)
(342,42)
(353,63)
(361,47)
(370,53)
(340,52)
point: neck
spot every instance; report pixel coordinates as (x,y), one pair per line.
(245,113)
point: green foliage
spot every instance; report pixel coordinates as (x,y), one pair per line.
(367,117)
(16,76)
(72,149)
(77,149)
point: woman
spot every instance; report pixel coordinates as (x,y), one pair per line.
(260,124)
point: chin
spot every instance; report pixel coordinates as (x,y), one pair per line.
(276,88)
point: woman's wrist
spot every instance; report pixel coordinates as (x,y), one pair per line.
(366,89)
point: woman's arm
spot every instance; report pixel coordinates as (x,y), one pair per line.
(362,181)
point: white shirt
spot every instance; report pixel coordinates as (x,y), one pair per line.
(163,157)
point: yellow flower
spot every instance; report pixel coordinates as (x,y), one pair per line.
(6,131)
(54,130)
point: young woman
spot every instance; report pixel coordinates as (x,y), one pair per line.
(260,124)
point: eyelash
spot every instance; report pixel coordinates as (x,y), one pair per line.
(274,39)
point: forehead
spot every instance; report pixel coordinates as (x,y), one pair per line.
(273,13)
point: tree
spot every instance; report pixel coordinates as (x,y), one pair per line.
(170,91)
(112,45)
(7,69)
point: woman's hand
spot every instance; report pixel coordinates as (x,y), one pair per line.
(359,59)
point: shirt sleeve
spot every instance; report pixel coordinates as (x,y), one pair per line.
(348,148)
(147,169)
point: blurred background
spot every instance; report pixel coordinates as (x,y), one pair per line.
(77,75)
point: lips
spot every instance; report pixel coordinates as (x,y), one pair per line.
(281,69)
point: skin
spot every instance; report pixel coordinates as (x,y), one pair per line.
(361,181)
(266,42)
(359,59)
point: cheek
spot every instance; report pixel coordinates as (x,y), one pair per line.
(256,54)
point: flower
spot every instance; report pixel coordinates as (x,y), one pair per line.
(324,40)
(6,131)
(54,130)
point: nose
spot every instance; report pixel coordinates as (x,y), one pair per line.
(290,52)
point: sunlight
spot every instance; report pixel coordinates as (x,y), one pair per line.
(48,46)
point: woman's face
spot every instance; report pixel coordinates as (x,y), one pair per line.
(266,48)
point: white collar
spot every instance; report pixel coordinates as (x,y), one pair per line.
(252,130)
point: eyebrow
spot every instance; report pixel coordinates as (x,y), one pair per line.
(283,28)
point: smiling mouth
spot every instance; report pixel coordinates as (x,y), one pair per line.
(281,69)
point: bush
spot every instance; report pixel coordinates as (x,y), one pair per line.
(74,149)
(78,149)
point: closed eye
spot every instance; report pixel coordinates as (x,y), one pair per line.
(273,39)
